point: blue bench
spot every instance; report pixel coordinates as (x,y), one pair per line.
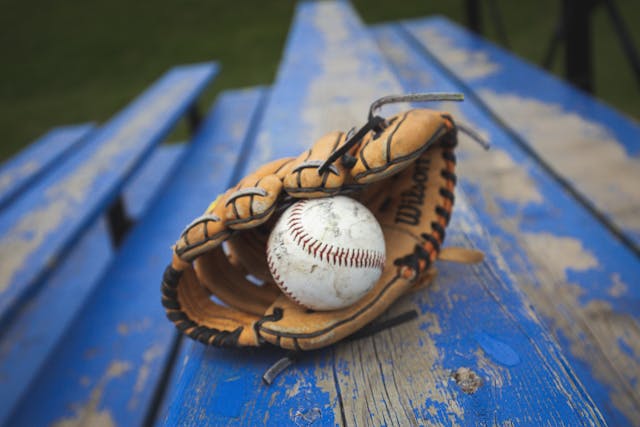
(57,235)
(472,320)
(547,325)
(17,173)
(555,230)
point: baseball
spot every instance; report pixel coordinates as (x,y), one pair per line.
(327,253)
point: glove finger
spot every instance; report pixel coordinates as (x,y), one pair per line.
(230,285)
(303,179)
(204,233)
(188,306)
(405,138)
(253,200)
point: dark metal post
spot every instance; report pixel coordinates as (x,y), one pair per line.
(194,118)
(625,38)
(474,16)
(118,221)
(576,16)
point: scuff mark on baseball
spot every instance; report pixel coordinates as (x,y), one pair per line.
(326,254)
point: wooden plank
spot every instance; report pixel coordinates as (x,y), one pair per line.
(39,324)
(177,369)
(37,327)
(36,230)
(106,368)
(552,119)
(471,322)
(403,376)
(17,173)
(578,276)
(155,172)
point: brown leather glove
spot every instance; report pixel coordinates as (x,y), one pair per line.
(402,169)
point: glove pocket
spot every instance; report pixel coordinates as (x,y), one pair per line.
(291,326)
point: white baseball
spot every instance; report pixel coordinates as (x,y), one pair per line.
(326,253)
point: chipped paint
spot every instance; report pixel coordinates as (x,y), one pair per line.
(618,288)
(603,170)
(88,414)
(68,195)
(508,180)
(469,64)
(548,286)
(148,357)
(495,375)
(295,390)
(237,130)
(304,408)
(403,58)
(561,253)
(559,300)
(139,326)
(376,377)
(344,73)
(324,380)
(344,77)
(10,176)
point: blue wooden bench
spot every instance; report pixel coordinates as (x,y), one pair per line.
(57,233)
(17,173)
(541,194)
(477,321)
(544,331)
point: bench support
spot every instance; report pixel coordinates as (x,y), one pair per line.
(119,222)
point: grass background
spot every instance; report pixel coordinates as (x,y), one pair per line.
(72,61)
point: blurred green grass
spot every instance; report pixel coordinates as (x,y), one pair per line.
(73,61)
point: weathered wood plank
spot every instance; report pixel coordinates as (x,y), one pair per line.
(160,166)
(582,280)
(107,367)
(17,173)
(38,325)
(552,119)
(471,322)
(35,230)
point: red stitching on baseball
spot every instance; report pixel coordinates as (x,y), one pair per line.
(324,248)
(279,282)
(361,258)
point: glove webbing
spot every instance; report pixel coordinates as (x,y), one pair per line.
(375,123)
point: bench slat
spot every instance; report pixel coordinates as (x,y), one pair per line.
(137,196)
(36,230)
(114,355)
(553,119)
(579,276)
(473,317)
(17,173)
(38,326)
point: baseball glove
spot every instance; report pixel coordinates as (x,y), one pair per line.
(402,168)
